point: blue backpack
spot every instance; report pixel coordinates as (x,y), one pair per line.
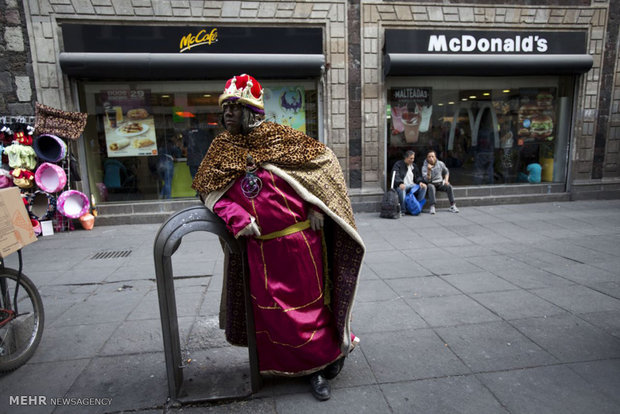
(412,205)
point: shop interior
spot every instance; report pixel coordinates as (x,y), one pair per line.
(147,140)
(487,131)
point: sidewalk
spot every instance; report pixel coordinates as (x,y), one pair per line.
(497,309)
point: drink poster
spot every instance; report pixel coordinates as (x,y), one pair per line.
(411,112)
(286,106)
(128,123)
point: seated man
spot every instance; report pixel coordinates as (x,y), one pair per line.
(437,176)
(407,174)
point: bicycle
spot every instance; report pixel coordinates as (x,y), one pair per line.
(21,317)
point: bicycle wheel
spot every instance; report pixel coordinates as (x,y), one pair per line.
(20,333)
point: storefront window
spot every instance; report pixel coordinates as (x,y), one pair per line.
(145,141)
(486,130)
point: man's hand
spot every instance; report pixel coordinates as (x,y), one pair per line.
(422,185)
(316,218)
(402,186)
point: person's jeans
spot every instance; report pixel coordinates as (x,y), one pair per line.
(166,173)
(433,188)
(419,195)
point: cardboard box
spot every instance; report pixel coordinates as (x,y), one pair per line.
(15,227)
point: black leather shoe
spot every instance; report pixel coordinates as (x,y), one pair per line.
(320,387)
(333,369)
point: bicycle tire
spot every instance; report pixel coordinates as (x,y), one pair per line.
(17,347)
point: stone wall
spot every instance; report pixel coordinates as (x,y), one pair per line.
(16,80)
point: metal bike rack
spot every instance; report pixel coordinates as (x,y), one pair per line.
(167,241)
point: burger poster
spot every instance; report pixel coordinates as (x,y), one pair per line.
(536,116)
(128,123)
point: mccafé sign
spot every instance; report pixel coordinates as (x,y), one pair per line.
(203,37)
(484,42)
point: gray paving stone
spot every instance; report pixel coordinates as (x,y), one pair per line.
(608,321)
(479,282)
(133,337)
(422,287)
(131,381)
(364,399)
(466,396)
(494,346)
(569,338)
(451,310)
(252,406)
(448,265)
(396,266)
(410,355)
(547,390)
(374,291)
(607,288)
(517,304)
(582,273)
(528,277)
(579,299)
(603,375)
(384,317)
(65,343)
(33,379)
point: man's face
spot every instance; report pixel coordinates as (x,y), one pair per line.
(232,117)
(409,160)
(431,158)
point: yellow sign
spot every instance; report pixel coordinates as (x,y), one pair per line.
(201,38)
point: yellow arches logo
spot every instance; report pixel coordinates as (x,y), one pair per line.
(201,38)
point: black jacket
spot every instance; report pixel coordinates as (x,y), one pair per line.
(401,171)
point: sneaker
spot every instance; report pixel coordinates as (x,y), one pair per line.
(454,209)
(432,210)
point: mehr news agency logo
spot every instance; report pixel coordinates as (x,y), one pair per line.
(42,400)
(203,37)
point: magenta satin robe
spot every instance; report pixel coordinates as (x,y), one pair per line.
(295,331)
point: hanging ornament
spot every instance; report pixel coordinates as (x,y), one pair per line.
(251,184)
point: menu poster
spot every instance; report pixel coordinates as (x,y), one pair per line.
(286,106)
(411,112)
(128,123)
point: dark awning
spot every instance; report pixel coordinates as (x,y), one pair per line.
(414,64)
(189,66)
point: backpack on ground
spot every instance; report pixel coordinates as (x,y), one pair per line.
(390,206)
(412,204)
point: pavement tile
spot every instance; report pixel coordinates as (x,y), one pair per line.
(133,337)
(517,304)
(608,321)
(603,375)
(251,406)
(582,273)
(33,379)
(374,291)
(607,288)
(579,299)
(410,355)
(548,390)
(449,265)
(528,277)
(131,381)
(569,338)
(65,343)
(403,267)
(451,310)
(494,346)
(422,287)
(384,316)
(478,282)
(467,396)
(358,400)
